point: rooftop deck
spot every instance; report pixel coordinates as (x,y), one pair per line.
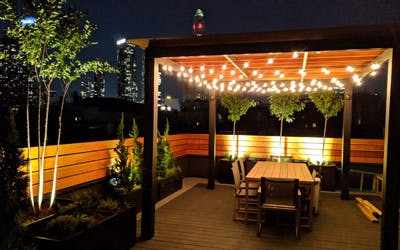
(202,219)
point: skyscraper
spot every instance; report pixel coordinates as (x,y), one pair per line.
(198,23)
(93,87)
(129,79)
(15,78)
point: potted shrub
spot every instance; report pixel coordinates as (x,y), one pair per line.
(237,106)
(169,175)
(283,107)
(94,224)
(125,177)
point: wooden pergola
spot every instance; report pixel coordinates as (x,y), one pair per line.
(257,61)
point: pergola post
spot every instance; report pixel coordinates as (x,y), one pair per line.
(346,137)
(149,188)
(212,109)
(391,170)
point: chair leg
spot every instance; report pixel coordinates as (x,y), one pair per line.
(259,223)
(298,224)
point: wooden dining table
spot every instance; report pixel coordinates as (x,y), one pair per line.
(286,170)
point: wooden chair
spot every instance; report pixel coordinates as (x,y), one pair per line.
(279,195)
(245,202)
(251,185)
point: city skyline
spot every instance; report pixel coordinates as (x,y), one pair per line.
(127,19)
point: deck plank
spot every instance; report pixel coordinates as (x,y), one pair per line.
(202,219)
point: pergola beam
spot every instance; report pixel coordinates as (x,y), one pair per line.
(238,67)
(386,55)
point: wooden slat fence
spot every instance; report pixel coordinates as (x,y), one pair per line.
(88,161)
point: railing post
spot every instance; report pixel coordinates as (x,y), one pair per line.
(346,138)
(211,139)
(149,187)
(391,168)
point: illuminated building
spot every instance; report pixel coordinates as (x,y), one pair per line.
(198,23)
(91,88)
(14,78)
(129,81)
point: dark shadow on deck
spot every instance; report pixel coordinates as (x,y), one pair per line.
(202,219)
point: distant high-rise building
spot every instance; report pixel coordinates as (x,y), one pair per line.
(129,81)
(194,93)
(93,87)
(15,78)
(198,23)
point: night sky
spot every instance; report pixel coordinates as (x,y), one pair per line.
(151,18)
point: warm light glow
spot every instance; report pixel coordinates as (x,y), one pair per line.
(241,77)
(182,68)
(350,69)
(270,60)
(260,75)
(295,54)
(375,66)
(190,70)
(373,73)
(233,72)
(246,65)
(169,68)
(164,67)
(224,67)
(202,68)
(277,72)
(255,72)
(281,75)
(211,71)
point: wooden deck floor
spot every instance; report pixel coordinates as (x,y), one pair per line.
(202,219)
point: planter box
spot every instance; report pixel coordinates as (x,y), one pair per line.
(168,186)
(115,232)
(134,197)
(224,172)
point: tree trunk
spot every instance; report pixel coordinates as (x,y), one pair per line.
(234,150)
(39,160)
(46,125)
(280,140)
(323,139)
(53,189)
(28,144)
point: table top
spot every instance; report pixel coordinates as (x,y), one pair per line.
(271,169)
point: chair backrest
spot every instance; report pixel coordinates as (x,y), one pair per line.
(236,175)
(279,191)
(242,169)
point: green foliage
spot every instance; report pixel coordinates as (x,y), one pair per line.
(109,205)
(328,103)
(65,225)
(52,44)
(136,164)
(165,158)
(237,105)
(283,106)
(13,197)
(86,199)
(120,170)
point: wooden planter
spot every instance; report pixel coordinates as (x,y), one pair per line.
(115,232)
(224,172)
(134,197)
(168,186)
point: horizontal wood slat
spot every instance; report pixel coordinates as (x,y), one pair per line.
(87,161)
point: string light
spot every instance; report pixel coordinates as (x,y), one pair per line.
(270,61)
(202,68)
(246,65)
(295,54)
(349,69)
